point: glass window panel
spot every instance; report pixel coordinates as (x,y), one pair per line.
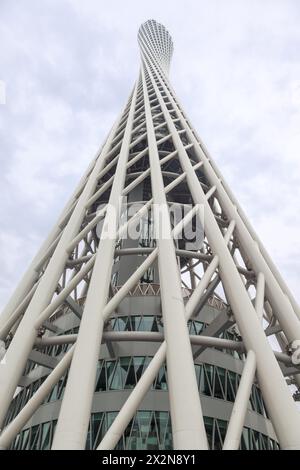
(120,324)
(259,401)
(242,443)
(252,401)
(219,383)
(138,366)
(191,327)
(110,366)
(162,418)
(124,365)
(168,444)
(198,372)
(88,438)
(53,394)
(126,435)
(146,323)
(34,438)
(199,327)
(208,423)
(54,423)
(147,362)
(117,381)
(25,440)
(159,324)
(120,444)
(207,380)
(110,417)
(148,276)
(114,279)
(152,441)
(251,440)
(209,369)
(220,433)
(246,439)
(97,421)
(101,382)
(255,436)
(217,445)
(128,324)
(135,442)
(235,354)
(237,381)
(36,385)
(230,391)
(16,442)
(24,397)
(273,445)
(201,380)
(130,379)
(98,370)
(61,387)
(154,325)
(144,422)
(161,379)
(135,322)
(265,411)
(45,439)
(265,443)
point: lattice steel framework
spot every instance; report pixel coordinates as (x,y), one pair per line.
(152,144)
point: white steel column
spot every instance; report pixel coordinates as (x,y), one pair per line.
(237,418)
(187,421)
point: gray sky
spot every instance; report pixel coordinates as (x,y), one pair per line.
(68,68)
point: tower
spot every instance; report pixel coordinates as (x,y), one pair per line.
(128,332)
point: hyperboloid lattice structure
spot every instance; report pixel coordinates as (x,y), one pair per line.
(150,316)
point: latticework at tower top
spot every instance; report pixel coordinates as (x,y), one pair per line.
(158,42)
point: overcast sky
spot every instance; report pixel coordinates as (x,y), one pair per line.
(68,67)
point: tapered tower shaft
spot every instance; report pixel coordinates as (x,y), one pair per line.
(122,246)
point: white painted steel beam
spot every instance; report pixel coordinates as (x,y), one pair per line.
(186,416)
(238,414)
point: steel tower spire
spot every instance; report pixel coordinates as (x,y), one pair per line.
(123,323)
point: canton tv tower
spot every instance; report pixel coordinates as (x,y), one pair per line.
(152,316)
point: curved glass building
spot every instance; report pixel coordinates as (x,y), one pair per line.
(218,375)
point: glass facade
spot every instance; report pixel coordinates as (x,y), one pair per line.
(123,373)
(148,430)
